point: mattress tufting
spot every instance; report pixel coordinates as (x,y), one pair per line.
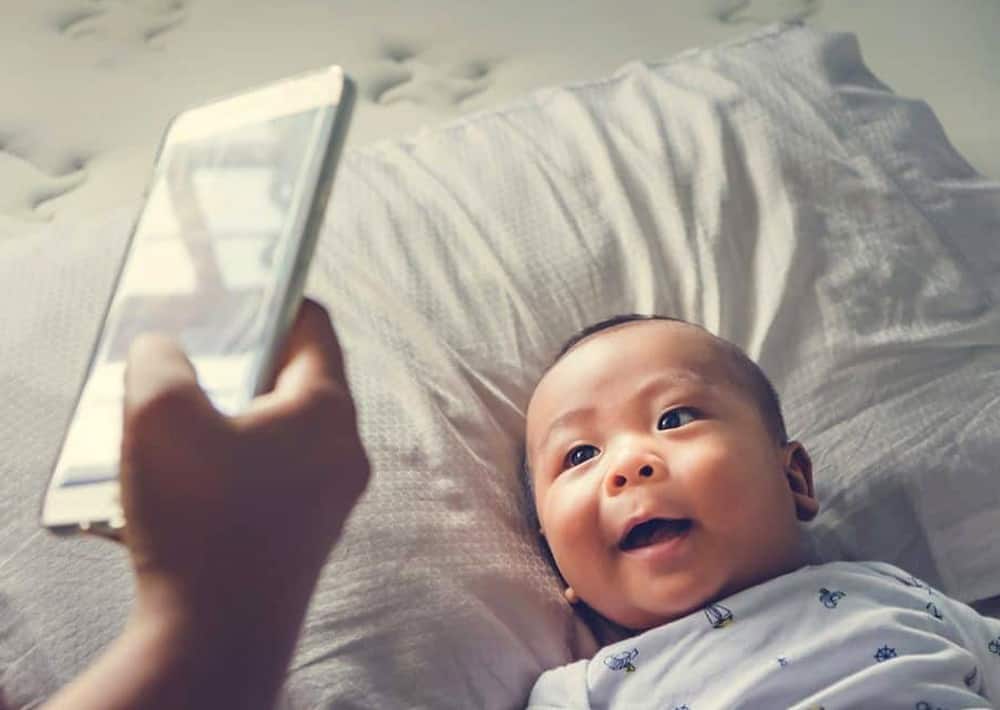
(94,82)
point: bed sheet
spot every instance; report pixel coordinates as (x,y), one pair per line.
(72,566)
(97,80)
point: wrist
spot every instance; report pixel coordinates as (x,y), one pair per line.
(228,650)
(194,668)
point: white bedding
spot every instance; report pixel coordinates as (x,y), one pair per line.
(471,278)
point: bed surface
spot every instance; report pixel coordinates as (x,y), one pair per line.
(95,81)
(105,77)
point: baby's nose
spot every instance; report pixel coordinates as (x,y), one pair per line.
(623,477)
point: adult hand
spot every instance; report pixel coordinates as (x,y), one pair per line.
(222,509)
(229,521)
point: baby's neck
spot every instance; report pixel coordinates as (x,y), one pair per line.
(802,555)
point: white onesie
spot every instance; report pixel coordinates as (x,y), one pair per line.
(832,636)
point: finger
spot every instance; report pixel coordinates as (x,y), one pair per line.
(163,405)
(311,363)
(155,365)
(114,535)
(311,356)
(169,422)
(314,333)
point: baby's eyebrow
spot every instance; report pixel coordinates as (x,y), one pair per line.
(674,378)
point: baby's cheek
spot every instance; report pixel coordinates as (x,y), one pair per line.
(569,516)
(717,480)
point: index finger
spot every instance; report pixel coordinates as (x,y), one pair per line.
(310,356)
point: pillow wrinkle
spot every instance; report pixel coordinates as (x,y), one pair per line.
(770,189)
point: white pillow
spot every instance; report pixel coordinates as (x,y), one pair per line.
(770,189)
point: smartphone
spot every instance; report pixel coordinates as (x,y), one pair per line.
(217,259)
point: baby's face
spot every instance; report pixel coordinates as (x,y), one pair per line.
(642,421)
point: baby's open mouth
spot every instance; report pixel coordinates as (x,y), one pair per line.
(654,531)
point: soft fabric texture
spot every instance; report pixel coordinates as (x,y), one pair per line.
(771,190)
(836,635)
(97,80)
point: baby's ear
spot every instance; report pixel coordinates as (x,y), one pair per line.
(798,471)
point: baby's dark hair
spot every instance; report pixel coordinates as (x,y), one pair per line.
(743,371)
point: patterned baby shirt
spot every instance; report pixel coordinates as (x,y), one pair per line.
(831,636)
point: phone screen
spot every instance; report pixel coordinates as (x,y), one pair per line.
(201,268)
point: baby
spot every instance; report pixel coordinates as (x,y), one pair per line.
(672,503)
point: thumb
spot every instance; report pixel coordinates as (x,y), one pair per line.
(170,426)
(157,368)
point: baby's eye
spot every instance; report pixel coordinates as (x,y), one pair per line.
(673,418)
(572,458)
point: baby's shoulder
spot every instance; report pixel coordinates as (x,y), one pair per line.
(860,586)
(870,570)
(561,687)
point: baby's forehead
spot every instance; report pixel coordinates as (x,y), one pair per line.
(672,353)
(671,377)
(683,349)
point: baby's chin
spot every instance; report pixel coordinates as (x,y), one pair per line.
(698,597)
(649,615)
(645,620)
(669,600)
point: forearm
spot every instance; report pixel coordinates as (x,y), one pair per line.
(145,667)
(236,660)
